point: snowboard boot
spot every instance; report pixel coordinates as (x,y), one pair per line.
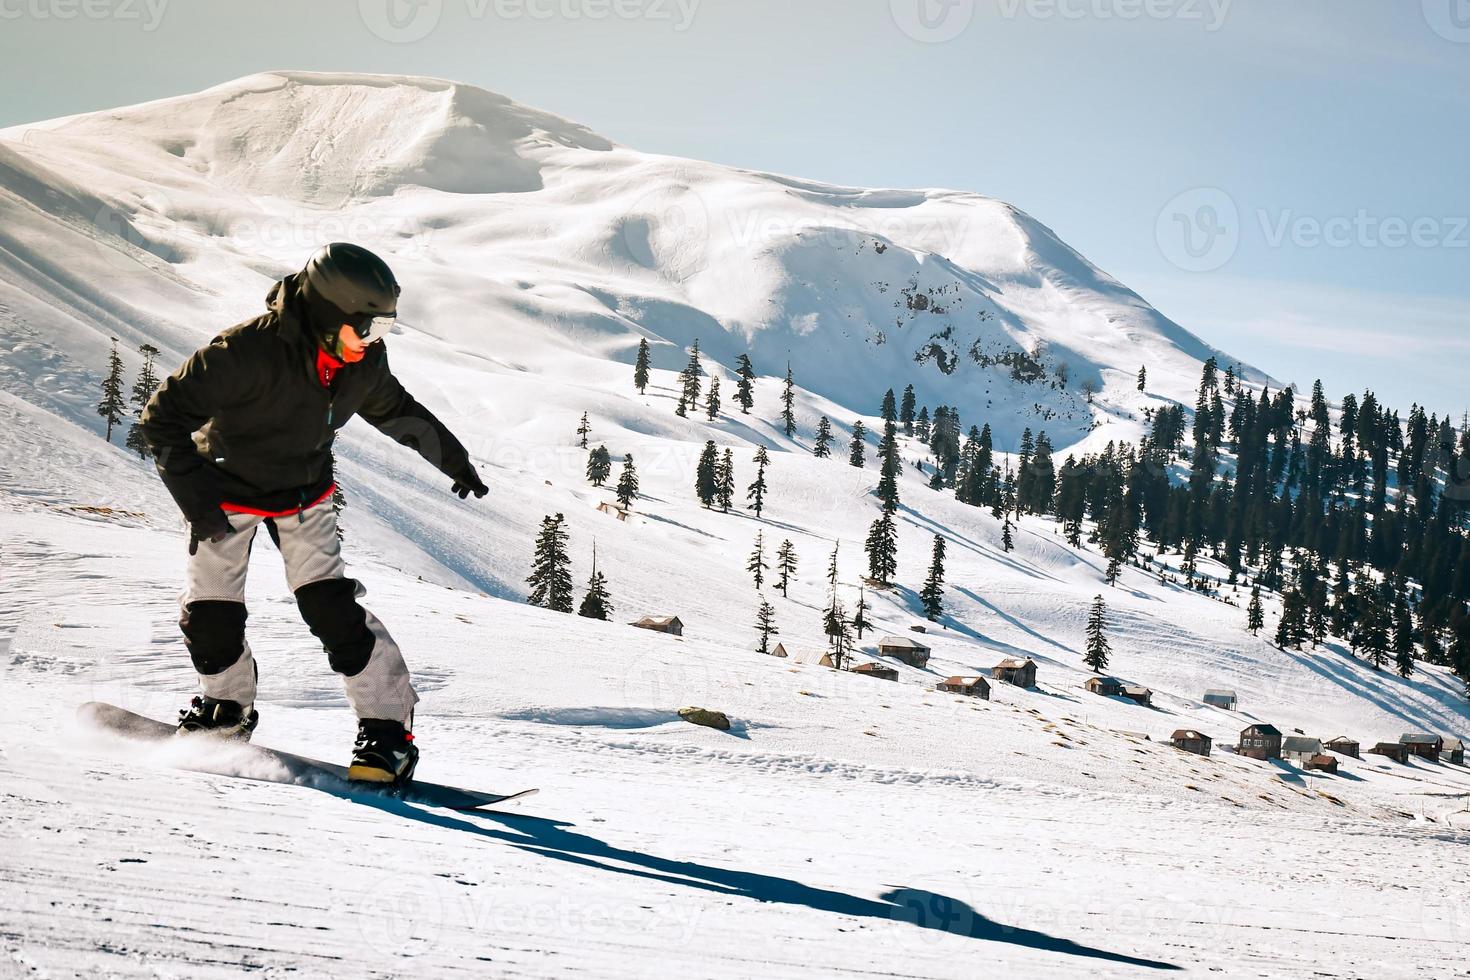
(221,719)
(384,753)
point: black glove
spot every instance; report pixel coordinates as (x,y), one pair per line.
(467,482)
(213,527)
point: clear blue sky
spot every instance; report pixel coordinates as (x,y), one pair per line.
(1287,178)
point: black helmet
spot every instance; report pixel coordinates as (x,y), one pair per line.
(347,284)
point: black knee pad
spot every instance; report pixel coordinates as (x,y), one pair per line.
(331,612)
(214,632)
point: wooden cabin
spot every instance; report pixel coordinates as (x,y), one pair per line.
(1191,741)
(1423,744)
(904,650)
(880,671)
(1108,687)
(1342,745)
(1260,741)
(672,625)
(1395,751)
(1021,673)
(1454,751)
(608,507)
(1322,763)
(1220,698)
(973,687)
(1300,748)
(1139,695)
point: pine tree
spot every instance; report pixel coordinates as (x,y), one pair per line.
(888,466)
(857,450)
(640,368)
(756,563)
(705,474)
(932,595)
(882,549)
(725,481)
(1007,542)
(596,604)
(599,466)
(1403,634)
(142,392)
(112,406)
(712,400)
(906,411)
(1098,649)
(628,483)
(1292,627)
(824,438)
(756,492)
(1142,378)
(765,623)
(860,621)
(785,565)
(788,403)
(689,379)
(1373,633)
(744,387)
(889,410)
(550,580)
(583,430)
(921,425)
(1255,614)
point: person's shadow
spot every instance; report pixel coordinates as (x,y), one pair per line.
(922,909)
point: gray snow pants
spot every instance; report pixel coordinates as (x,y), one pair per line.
(357,645)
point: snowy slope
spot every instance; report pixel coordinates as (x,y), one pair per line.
(836,827)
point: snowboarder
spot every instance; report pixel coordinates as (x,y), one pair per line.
(242,437)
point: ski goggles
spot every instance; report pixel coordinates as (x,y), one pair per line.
(373,328)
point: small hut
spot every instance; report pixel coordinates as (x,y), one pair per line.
(672,625)
(1343,745)
(1260,741)
(1300,748)
(1220,698)
(608,507)
(904,650)
(1108,687)
(1191,741)
(880,671)
(1454,751)
(1423,744)
(1395,751)
(973,687)
(1138,695)
(815,657)
(1322,763)
(1021,673)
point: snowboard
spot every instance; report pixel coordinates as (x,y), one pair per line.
(295,769)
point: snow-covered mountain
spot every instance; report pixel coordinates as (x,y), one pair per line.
(844,823)
(528,241)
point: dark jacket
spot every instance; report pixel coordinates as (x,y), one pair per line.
(247,421)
